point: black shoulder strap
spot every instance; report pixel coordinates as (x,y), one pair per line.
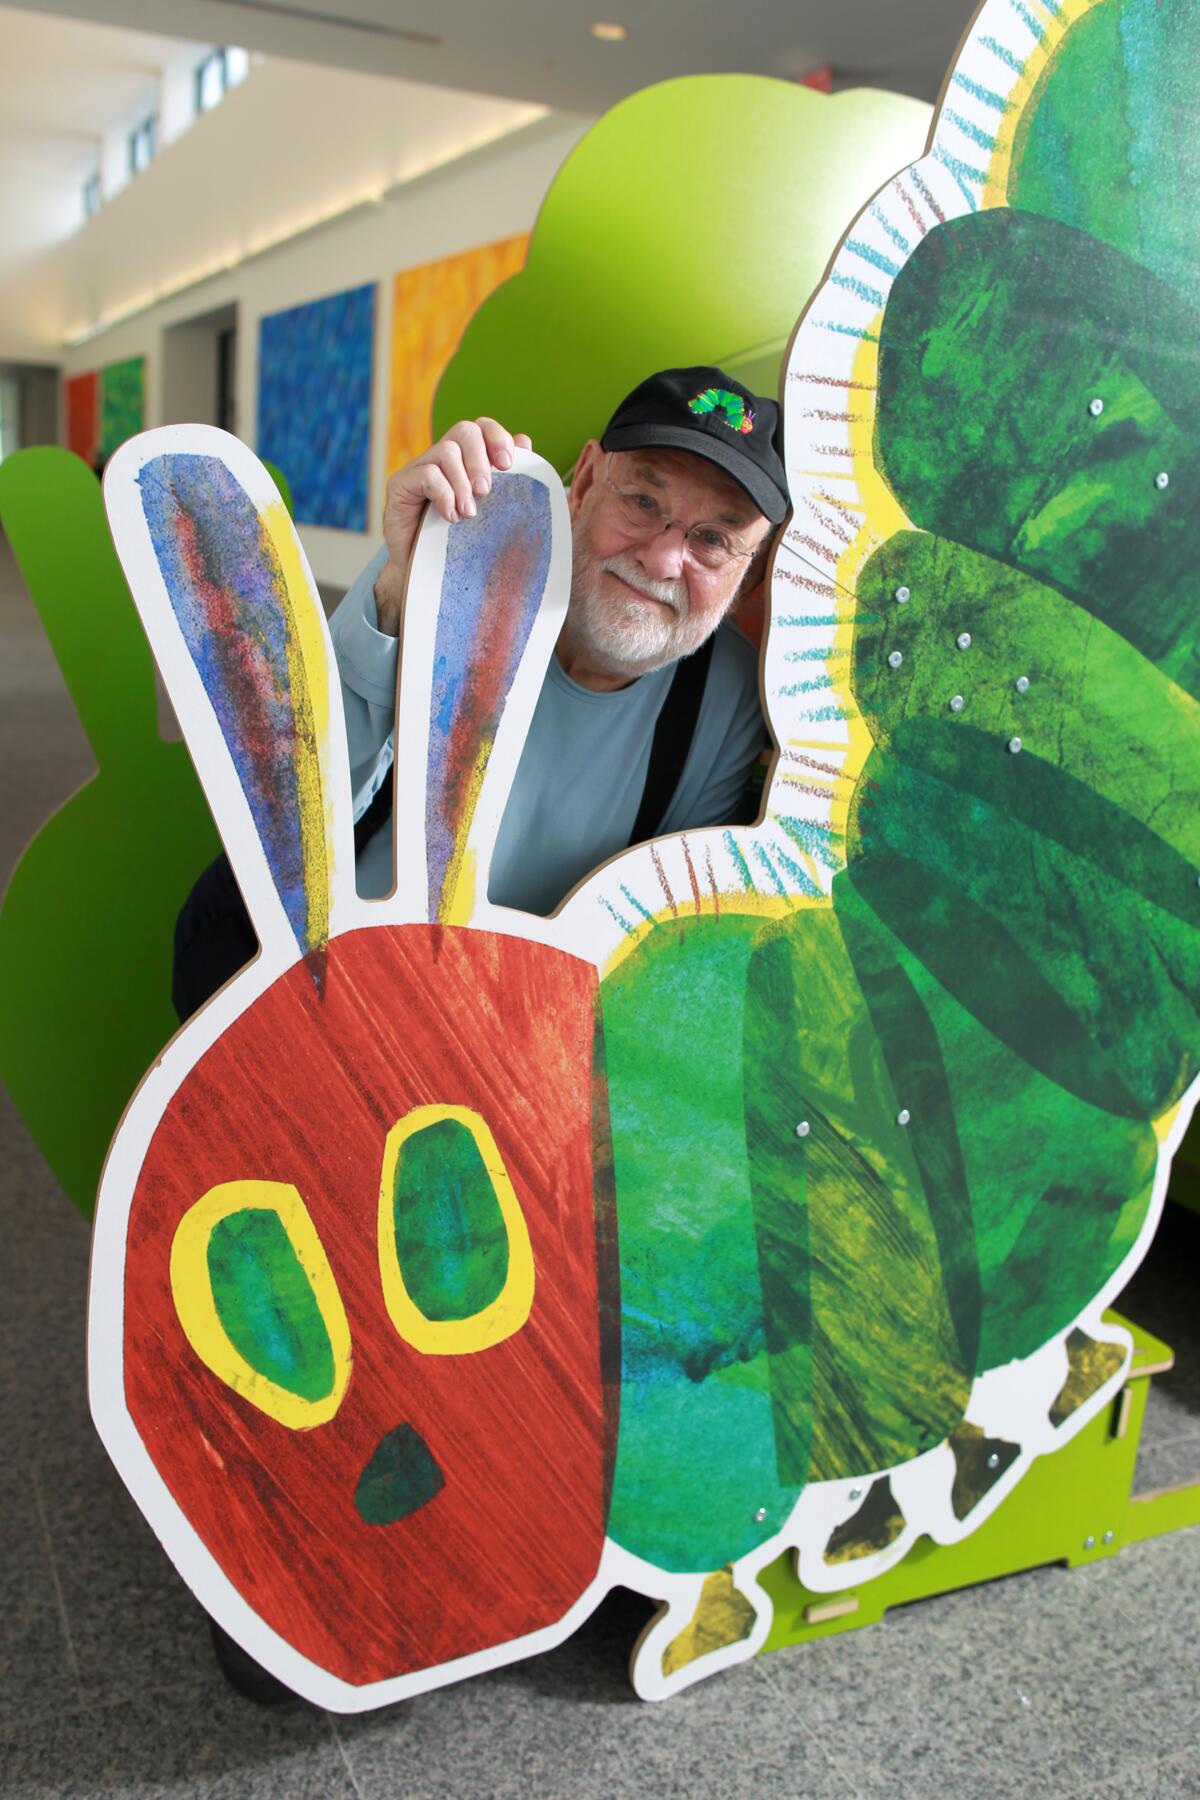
(673,736)
(377,813)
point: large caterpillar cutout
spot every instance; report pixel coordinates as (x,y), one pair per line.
(454,1265)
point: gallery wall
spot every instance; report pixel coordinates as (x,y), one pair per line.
(448,236)
(303,185)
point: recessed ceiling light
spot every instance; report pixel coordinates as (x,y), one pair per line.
(608,32)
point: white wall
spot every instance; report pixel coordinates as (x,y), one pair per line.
(491,193)
(290,146)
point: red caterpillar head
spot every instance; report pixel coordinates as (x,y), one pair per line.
(345,1338)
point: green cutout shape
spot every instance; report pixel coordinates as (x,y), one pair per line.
(762,176)
(88,916)
(1074,162)
(401,1477)
(986,436)
(451,1240)
(266,1304)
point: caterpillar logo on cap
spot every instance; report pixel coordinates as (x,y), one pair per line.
(738,416)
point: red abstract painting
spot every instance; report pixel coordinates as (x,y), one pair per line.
(83,415)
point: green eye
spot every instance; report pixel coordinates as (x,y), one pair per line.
(258,1301)
(451,1240)
(266,1304)
(454,1252)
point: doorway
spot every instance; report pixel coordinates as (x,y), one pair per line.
(200,370)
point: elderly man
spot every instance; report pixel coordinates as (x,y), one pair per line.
(649,717)
(672,511)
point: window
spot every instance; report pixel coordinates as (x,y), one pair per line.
(220,71)
(210,81)
(142,144)
(91,195)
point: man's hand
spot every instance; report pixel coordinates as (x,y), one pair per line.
(450,475)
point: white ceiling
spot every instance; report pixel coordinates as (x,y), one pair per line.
(543,50)
(72,70)
(63,84)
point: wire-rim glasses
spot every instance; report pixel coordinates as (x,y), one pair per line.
(710,544)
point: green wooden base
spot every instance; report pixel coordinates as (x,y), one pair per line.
(1073,1507)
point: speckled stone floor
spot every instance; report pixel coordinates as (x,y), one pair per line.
(1065,1683)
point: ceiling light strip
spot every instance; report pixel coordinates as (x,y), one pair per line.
(368,201)
(376,28)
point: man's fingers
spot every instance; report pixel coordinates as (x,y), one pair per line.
(438,491)
(473,445)
(456,469)
(451,461)
(501,442)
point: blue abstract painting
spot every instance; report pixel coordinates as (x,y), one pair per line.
(314,404)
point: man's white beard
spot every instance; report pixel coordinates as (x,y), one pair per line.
(624,636)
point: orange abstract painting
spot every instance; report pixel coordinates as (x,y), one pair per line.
(431,307)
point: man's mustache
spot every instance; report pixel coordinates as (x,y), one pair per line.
(670,593)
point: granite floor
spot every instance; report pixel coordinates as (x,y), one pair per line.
(1063,1683)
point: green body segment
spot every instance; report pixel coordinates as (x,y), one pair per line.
(451,1239)
(912,1054)
(1092,704)
(796,1305)
(266,1304)
(1041,904)
(696,1451)
(961,852)
(1057,1189)
(889,1373)
(782,1167)
(999,333)
(1127,171)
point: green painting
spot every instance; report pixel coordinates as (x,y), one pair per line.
(122,402)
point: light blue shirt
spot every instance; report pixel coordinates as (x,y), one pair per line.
(579,783)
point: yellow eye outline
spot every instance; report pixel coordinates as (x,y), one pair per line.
(192,1292)
(501,1317)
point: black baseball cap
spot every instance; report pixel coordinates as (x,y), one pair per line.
(706,411)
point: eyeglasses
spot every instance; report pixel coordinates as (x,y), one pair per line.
(711,545)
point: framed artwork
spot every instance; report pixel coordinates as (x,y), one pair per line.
(315,365)
(431,306)
(83,414)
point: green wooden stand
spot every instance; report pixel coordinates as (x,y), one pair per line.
(1073,1507)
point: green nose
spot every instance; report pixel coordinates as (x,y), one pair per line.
(401,1477)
